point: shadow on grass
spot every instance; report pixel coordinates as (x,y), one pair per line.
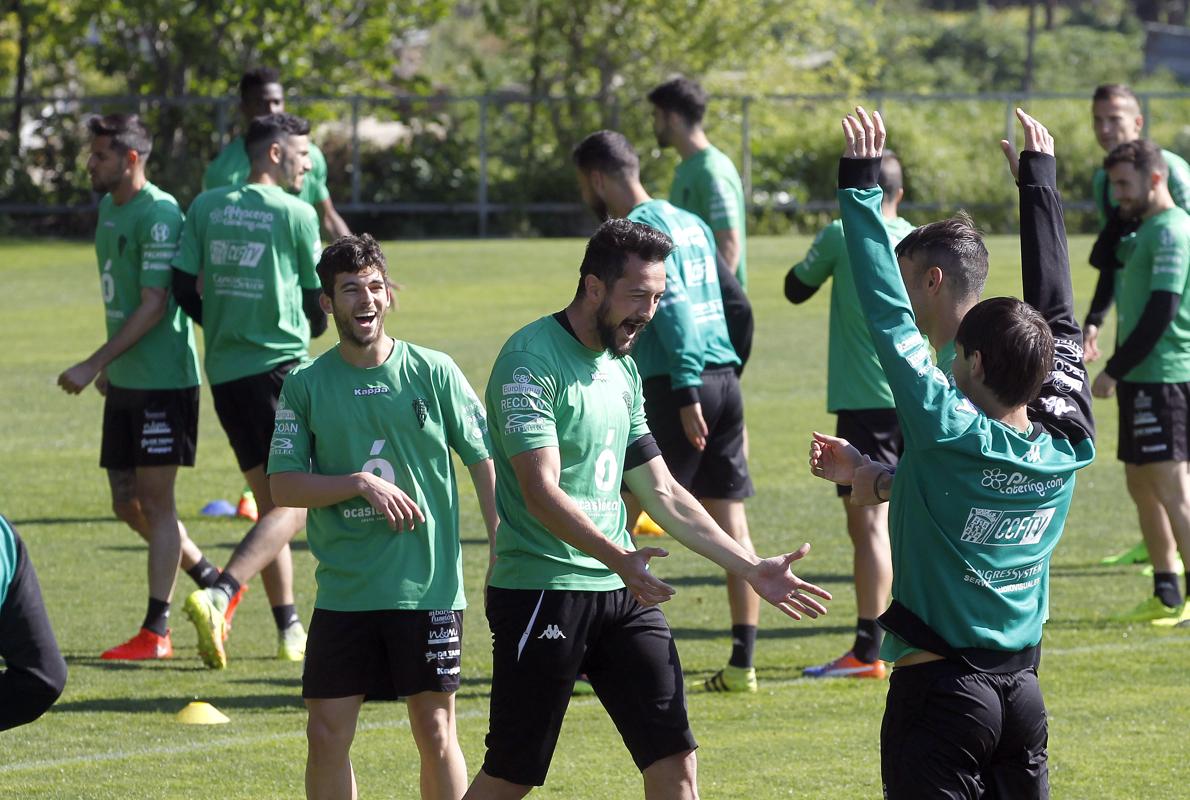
(58,520)
(299,545)
(92,660)
(796,631)
(175,703)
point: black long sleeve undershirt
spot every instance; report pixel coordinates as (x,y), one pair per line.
(185,290)
(313,311)
(1159,312)
(1105,292)
(795,291)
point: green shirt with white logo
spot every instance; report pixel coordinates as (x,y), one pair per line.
(134,244)
(256,248)
(689,331)
(231,168)
(549,390)
(8,557)
(708,185)
(399,420)
(854,379)
(1158,261)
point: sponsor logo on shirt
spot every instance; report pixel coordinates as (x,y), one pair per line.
(281,445)
(1017,483)
(421,411)
(447,670)
(442,655)
(1006,528)
(1142,400)
(478,420)
(285,427)
(365,514)
(1004,581)
(284,414)
(522,383)
(525,423)
(250,219)
(442,617)
(443,635)
(159,232)
(589,506)
(517,401)
(368,391)
(236,254)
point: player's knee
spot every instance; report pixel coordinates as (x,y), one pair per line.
(434,732)
(327,734)
(127,511)
(157,508)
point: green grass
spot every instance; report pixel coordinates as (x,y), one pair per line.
(1114,691)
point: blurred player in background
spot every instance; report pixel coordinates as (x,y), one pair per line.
(147,369)
(254,248)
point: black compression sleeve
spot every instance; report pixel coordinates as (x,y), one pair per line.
(1105,292)
(1154,320)
(737,311)
(185,291)
(640,451)
(795,290)
(36,671)
(313,310)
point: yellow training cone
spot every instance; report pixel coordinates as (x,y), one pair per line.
(200,713)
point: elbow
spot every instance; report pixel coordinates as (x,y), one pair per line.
(283,492)
(797,292)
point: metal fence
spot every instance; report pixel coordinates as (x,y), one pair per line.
(507,154)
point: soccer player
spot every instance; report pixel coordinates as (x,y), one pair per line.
(568,593)
(254,247)
(687,369)
(147,369)
(261,94)
(34,671)
(1150,369)
(1116,118)
(363,438)
(981,493)
(858,394)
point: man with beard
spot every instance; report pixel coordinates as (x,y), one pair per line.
(1150,369)
(1116,118)
(363,439)
(568,594)
(147,369)
(687,368)
(261,94)
(254,247)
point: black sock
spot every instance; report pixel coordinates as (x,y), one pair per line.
(1188,583)
(1165,586)
(285,616)
(157,617)
(743,643)
(226,584)
(867,640)
(204,573)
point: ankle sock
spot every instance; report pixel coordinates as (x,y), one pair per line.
(1165,586)
(285,616)
(868,637)
(743,644)
(204,573)
(157,616)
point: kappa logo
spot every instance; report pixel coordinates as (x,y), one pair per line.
(159,232)
(1034,454)
(1058,406)
(368,391)
(552,632)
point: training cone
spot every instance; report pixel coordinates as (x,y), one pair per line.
(200,713)
(218,508)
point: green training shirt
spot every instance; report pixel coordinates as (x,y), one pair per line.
(1179,186)
(399,420)
(977,507)
(854,379)
(689,331)
(231,168)
(708,185)
(134,244)
(8,557)
(1158,261)
(549,390)
(256,248)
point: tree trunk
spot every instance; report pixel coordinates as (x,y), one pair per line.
(18,98)
(1027,80)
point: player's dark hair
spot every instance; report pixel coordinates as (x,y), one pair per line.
(616,239)
(263,131)
(1015,345)
(350,254)
(892,177)
(683,96)
(1142,154)
(126,131)
(607,152)
(1112,91)
(956,246)
(256,79)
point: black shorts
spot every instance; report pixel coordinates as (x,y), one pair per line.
(875,432)
(246,408)
(1153,422)
(149,428)
(719,472)
(950,732)
(542,640)
(383,655)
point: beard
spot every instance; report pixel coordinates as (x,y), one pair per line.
(1135,210)
(599,207)
(607,330)
(345,324)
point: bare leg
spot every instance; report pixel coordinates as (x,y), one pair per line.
(265,549)
(127,509)
(1171,484)
(330,730)
(672,778)
(868,528)
(1153,516)
(485,787)
(443,770)
(742,600)
(155,491)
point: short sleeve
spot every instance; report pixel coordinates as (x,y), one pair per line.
(308,247)
(819,263)
(316,192)
(1179,183)
(291,447)
(465,421)
(189,254)
(638,424)
(159,235)
(1171,260)
(723,204)
(523,394)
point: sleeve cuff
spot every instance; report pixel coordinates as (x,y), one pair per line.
(1038,169)
(859,173)
(684,396)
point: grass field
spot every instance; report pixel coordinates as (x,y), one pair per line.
(1118,695)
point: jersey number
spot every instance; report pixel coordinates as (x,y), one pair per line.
(107,283)
(379,466)
(605,465)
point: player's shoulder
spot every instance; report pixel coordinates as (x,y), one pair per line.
(534,342)
(899,227)
(721,164)
(1177,165)
(317,156)
(162,206)
(215,196)
(428,357)
(832,230)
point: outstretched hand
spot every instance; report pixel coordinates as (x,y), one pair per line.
(775,582)
(865,134)
(633,569)
(1037,140)
(834,459)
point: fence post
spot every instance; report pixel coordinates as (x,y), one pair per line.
(355,179)
(1010,120)
(482,198)
(746,150)
(221,121)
